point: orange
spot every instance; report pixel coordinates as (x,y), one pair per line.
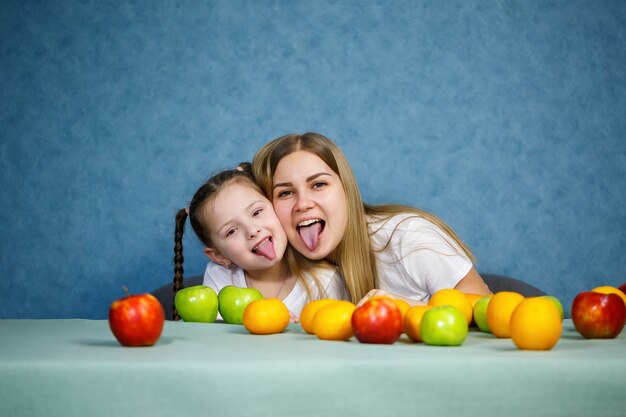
(536,324)
(454,298)
(334,321)
(473,298)
(308,313)
(266,316)
(402,305)
(606,289)
(413,320)
(499,312)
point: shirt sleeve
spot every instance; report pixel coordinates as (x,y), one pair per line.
(217,277)
(427,257)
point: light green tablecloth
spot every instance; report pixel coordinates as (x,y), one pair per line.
(76,368)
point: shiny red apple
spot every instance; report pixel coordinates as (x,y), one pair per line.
(137,320)
(378,320)
(598,316)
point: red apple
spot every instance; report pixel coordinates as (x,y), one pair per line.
(598,316)
(379,320)
(622,288)
(137,320)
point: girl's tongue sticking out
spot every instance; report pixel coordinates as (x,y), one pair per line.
(310,235)
(265,248)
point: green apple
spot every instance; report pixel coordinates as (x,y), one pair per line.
(480,314)
(197,304)
(444,326)
(234,300)
(558,304)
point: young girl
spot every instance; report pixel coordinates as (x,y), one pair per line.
(396,250)
(246,242)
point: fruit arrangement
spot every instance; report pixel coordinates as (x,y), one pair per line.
(533,323)
(201,304)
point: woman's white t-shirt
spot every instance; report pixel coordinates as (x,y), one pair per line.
(217,277)
(415,258)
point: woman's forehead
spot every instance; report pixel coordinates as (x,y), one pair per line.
(300,165)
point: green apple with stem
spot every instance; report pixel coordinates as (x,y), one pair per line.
(197,304)
(234,300)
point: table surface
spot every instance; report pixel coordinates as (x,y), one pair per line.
(76,367)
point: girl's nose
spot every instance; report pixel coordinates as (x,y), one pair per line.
(254,231)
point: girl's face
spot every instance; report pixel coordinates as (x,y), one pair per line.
(244,229)
(310,203)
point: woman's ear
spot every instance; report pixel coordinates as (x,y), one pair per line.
(216,257)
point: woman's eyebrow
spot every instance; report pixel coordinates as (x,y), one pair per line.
(308,179)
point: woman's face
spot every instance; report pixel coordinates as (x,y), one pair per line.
(310,203)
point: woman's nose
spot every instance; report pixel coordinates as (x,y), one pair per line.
(303,203)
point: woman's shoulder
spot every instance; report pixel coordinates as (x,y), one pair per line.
(385,224)
(403,231)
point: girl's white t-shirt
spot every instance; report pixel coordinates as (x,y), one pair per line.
(217,277)
(419,260)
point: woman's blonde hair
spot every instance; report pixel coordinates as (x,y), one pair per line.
(354,256)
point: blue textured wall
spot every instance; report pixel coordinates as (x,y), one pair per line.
(506,118)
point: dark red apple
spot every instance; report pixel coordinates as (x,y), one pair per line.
(598,316)
(137,320)
(622,288)
(379,320)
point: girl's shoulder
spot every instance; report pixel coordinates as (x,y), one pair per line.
(216,275)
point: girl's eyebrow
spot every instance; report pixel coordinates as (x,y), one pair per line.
(310,178)
(253,203)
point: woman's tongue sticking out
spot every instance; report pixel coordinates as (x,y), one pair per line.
(310,235)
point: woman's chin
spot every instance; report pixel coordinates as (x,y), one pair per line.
(314,255)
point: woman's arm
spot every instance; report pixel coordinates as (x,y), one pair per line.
(382,293)
(472,283)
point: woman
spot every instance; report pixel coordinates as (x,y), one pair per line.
(396,250)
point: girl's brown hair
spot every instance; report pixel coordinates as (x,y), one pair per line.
(298,265)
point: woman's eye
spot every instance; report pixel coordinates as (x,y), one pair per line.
(283,193)
(319,184)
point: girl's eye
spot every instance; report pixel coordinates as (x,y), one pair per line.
(230,232)
(256,212)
